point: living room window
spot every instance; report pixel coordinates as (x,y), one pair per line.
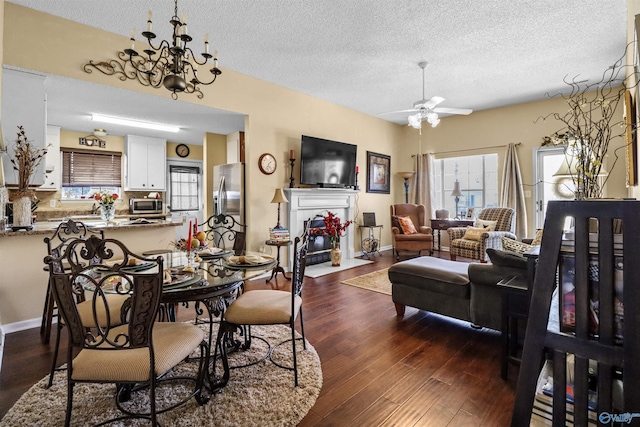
(478,177)
(87,172)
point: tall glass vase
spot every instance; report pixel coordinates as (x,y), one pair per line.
(107,212)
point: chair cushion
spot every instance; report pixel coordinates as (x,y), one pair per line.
(511,245)
(114,301)
(262,307)
(172,343)
(407,225)
(487,225)
(395,222)
(474,233)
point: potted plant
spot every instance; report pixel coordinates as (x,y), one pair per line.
(26,158)
(334,229)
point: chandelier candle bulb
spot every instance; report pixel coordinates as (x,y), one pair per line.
(206,43)
(149,21)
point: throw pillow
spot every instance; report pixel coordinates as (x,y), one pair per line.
(511,245)
(474,233)
(489,225)
(406,225)
(506,259)
(396,223)
(537,239)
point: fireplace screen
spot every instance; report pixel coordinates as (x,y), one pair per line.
(319,246)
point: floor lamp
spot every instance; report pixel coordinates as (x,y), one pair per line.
(456,193)
(406,176)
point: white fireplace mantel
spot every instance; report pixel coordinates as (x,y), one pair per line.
(306,203)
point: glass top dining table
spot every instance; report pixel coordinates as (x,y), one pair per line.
(212,276)
(213,282)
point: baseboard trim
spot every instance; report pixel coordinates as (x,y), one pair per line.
(10,328)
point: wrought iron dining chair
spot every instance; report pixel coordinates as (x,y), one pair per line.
(138,352)
(225,232)
(65,233)
(268,307)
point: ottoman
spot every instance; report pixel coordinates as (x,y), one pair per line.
(432,284)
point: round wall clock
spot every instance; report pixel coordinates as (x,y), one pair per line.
(182,150)
(267,164)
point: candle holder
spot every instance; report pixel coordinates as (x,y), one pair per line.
(291,180)
(355,187)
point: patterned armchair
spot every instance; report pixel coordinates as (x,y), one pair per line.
(477,249)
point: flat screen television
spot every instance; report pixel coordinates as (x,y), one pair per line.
(327,163)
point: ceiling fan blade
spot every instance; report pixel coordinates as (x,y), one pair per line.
(400,111)
(445,110)
(435,100)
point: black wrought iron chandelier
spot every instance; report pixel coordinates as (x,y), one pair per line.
(171,64)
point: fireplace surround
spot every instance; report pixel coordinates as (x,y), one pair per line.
(306,203)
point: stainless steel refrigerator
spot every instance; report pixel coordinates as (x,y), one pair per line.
(228,190)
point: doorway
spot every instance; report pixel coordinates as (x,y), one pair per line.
(547,161)
(184,193)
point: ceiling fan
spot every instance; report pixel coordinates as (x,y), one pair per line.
(426,109)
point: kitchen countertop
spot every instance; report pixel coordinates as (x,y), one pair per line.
(121,222)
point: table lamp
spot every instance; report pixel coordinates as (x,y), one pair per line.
(406,176)
(456,193)
(278,198)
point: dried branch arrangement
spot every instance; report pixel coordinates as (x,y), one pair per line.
(26,159)
(591,122)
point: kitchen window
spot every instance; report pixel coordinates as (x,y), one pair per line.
(87,172)
(184,188)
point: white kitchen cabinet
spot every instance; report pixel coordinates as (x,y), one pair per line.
(23,104)
(52,160)
(145,163)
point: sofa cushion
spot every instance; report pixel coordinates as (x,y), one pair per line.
(514,246)
(537,239)
(433,274)
(507,259)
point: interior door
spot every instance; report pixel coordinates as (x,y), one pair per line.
(184,195)
(548,187)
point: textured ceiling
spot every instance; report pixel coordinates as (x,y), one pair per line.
(363,54)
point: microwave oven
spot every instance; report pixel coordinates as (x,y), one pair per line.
(145,206)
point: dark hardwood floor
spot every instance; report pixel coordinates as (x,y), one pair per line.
(379,369)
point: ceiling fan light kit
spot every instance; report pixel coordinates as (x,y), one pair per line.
(426,110)
(170,63)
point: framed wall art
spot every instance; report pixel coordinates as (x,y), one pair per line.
(378,173)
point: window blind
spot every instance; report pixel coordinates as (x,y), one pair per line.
(84,168)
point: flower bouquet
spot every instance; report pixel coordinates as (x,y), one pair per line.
(106,202)
(334,229)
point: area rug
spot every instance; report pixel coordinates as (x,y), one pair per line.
(377,281)
(259,395)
